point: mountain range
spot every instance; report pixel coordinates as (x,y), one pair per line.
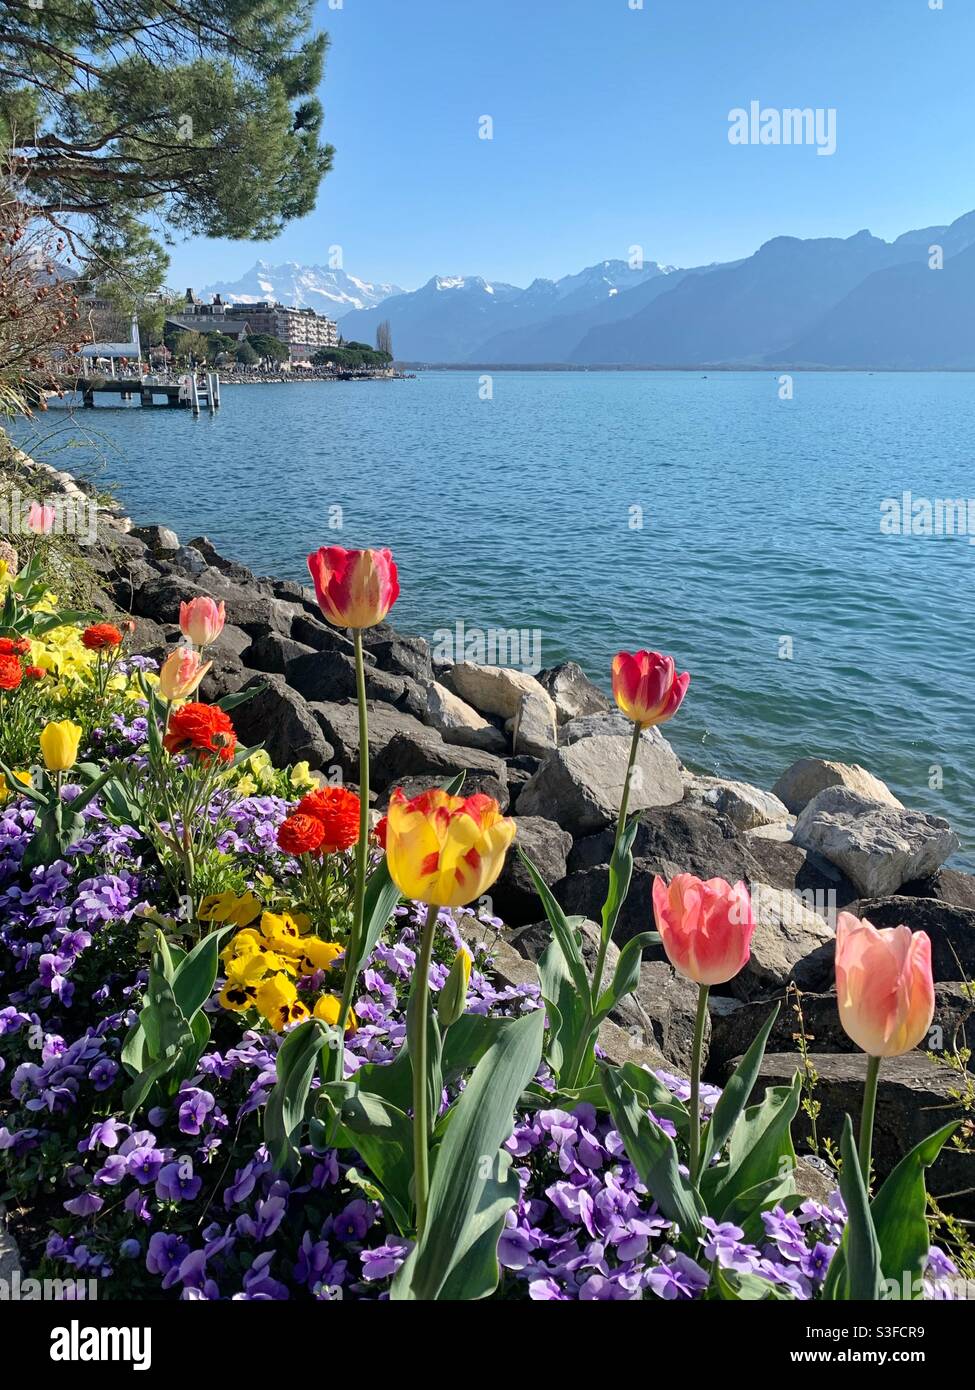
(331,292)
(858,302)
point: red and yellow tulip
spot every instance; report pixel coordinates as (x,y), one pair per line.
(446,850)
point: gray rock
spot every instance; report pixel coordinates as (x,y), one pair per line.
(330,676)
(273,652)
(947,886)
(915,1097)
(735,1025)
(546,844)
(189,560)
(401,655)
(408,755)
(746,806)
(232,642)
(580,785)
(661,1013)
(226,676)
(786,932)
(878,847)
(951,929)
(458,722)
(572,691)
(321,636)
(809,776)
(533,727)
(491,689)
(280,718)
(339,722)
(234,571)
(159,539)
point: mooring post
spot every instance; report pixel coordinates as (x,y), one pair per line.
(214,390)
(194,394)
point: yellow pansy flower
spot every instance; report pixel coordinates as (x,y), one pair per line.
(227,907)
(277,1000)
(327,1009)
(317,954)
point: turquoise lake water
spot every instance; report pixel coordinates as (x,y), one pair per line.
(760,562)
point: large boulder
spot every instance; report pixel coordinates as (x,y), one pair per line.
(321,636)
(280,718)
(951,929)
(401,655)
(273,652)
(878,847)
(572,692)
(425,755)
(458,722)
(786,933)
(330,676)
(735,1024)
(533,727)
(946,885)
(160,598)
(580,784)
(339,722)
(546,845)
(491,689)
(808,777)
(915,1097)
(746,806)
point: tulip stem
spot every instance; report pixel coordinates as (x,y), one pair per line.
(695,1126)
(866,1118)
(607,932)
(361,852)
(421,1088)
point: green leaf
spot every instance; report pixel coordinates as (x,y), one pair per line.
(735,1095)
(240,697)
(759,1148)
(194,977)
(899,1213)
(382,1135)
(858,1277)
(626,977)
(285,1110)
(452,788)
(381,898)
(654,1156)
(472,1186)
(620,873)
(561,929)
(567,1011)
(745,1288)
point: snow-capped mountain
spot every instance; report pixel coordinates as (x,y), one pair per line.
(331,292)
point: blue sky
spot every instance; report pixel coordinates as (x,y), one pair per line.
(611,130)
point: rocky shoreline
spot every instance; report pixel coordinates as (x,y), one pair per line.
(552,749)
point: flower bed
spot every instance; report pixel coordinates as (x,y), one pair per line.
(240,1027)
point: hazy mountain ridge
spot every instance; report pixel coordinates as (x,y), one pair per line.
(857,301)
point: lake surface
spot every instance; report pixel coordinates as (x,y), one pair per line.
(757,559)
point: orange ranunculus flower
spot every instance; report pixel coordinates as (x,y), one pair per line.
(355,588)
(646,686)
(202,730)
(181,673)
(884,986)
(300,834)
(446,850)
(706,927)
(338,811)
(201,620)
(101,637)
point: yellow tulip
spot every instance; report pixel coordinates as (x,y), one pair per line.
(59,745)
(445,850)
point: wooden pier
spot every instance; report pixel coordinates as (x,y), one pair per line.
(190,392)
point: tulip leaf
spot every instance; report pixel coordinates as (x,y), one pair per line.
(472,1186)
(736,1287)
(855,1272)
(194,976)
(626,977)
(382,1135)
(736,1093)
(759,1147)
(381,898)
(452,788)
(561,929)
(240,697)
(899,1218)
(620,873)
(567,1013)
(285,1110)
(654,1156)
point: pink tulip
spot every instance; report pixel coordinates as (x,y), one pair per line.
(646,686)
(884,986)
(706,927)
(181,673)
(355,588)
(41,518)
(201,620)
